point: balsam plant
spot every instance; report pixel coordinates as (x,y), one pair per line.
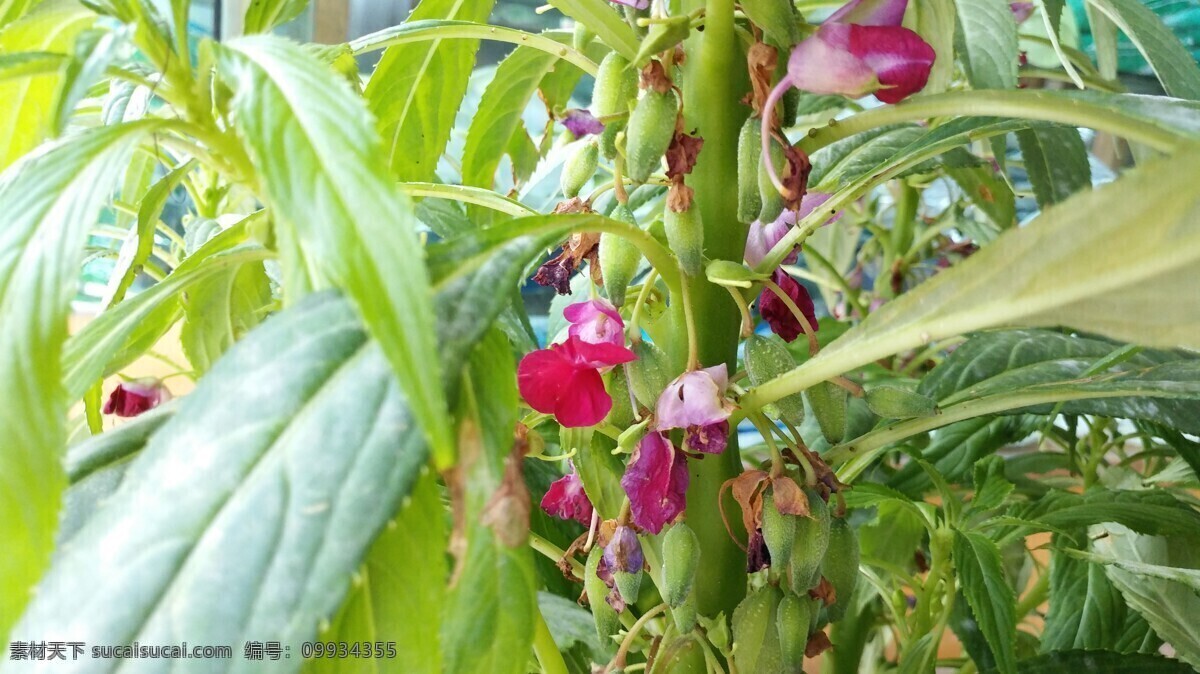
(811,395)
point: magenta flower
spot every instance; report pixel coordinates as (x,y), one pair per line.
(564,380)
(623,554)
(861,49)
(132,398)
(596,322)
(696,402)
(581,123)
(566,499)
(777,314)
(656,481)
(763,237)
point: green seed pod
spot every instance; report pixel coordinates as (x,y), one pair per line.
(840,566)
(608,622)
(810,544)
(685,614)
(619,259)
(829,403)
(791,107)
(648,374)
(793,621)
(772,200)
(680,559)
(779,531)
(749,154)
(894,402)
(755,638)
(663,36)
(629,585)
(616,88)
(621,414)
(685,234)
(651,126)
(579,168)
(582,36)
(767,358)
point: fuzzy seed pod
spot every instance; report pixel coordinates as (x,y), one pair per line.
(651,127)
(619,258)
(894,402)
(607,621)
(685,234)
(829,403)
(615,90)
(779,532)
(749,155)
(792,621)
(840,566)
(579,169)
(767,358)
(681,558)
(809,544)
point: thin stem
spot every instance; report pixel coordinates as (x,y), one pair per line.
(744,308)
(548,655)
(618,660)
(693,361)
(813,345)
(634,328)
(762,424)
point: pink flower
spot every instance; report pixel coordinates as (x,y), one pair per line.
(581,123)
(861,49)
(656,481)
(566,499)
(596,322)
(777,314)
(1021,10)
(564,380)
(132,398)
(763,237)
(696,402)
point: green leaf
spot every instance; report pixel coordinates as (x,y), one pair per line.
(500,115)
(51,27)
(604,20)
(120,335)
(491,610)
(1101,662)
(28,64)
(1147,512)
(977,560)
(1086,611)
(990,194)
(569,624)
(986,41)
(404,575)
(1170,59)
(140,242)
(313,458)
(417,87)
(468,195)
(94,51)
(11,10)
(1189,577)
(264,15)
(218,311)
(778,21)
(991,487)
(1168,606)
(1056,161)
(1093,262)
(323,173)
(50,200)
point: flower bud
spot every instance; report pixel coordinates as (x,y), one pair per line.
(651,127)
(809,544)
(681,559)
(132,398)
(623,556)
(749,156)
(579,168)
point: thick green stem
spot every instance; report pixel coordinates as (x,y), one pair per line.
(714,81)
